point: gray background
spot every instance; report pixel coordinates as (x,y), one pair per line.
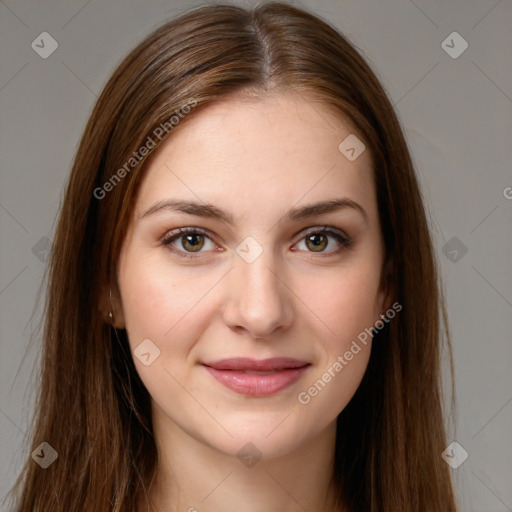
(457,116)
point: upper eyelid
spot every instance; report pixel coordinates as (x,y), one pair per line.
(178,232)
(321,229)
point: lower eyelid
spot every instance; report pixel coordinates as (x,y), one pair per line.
(344,241)
(169,241)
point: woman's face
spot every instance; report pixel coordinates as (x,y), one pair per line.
(253,277)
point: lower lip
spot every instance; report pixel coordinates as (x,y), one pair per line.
(253,384)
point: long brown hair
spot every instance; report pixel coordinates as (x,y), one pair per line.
(92,407)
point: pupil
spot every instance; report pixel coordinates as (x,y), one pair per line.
(193,242)
(317,241)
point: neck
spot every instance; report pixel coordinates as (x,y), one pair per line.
(195,477)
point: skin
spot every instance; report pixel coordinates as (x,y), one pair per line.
(255,159)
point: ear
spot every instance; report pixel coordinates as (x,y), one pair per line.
(110,307)
(386,292)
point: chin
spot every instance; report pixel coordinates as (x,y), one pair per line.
(268,438)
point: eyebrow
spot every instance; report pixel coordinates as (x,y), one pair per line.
(210,211)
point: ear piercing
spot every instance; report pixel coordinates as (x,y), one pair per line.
(110,315)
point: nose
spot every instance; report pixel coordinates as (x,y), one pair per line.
(259,301)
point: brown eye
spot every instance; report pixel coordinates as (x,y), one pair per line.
(193,242)
(188,242)
(324,242)
(316,242)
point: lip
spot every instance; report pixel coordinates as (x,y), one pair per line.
(233,373)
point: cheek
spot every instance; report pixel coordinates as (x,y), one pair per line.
(169,306)
(346,305)
(170,309)
(346,302)
(146,301)
(161,303)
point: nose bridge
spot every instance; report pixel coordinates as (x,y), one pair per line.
(259,279)
(259,300)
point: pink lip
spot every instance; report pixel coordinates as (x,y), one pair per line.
(231,373)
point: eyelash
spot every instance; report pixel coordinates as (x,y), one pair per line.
(344,240)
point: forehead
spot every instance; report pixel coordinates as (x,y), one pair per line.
(275,149)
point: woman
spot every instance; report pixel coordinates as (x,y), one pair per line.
(243,306)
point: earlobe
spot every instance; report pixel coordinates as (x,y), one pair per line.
(387,291)
(104,305)
(116,310)
(111,309)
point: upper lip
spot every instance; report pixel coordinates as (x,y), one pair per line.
(244,363)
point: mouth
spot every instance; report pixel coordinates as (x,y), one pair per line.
(257,378)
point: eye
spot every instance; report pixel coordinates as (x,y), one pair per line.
(318,240)
(187,241)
